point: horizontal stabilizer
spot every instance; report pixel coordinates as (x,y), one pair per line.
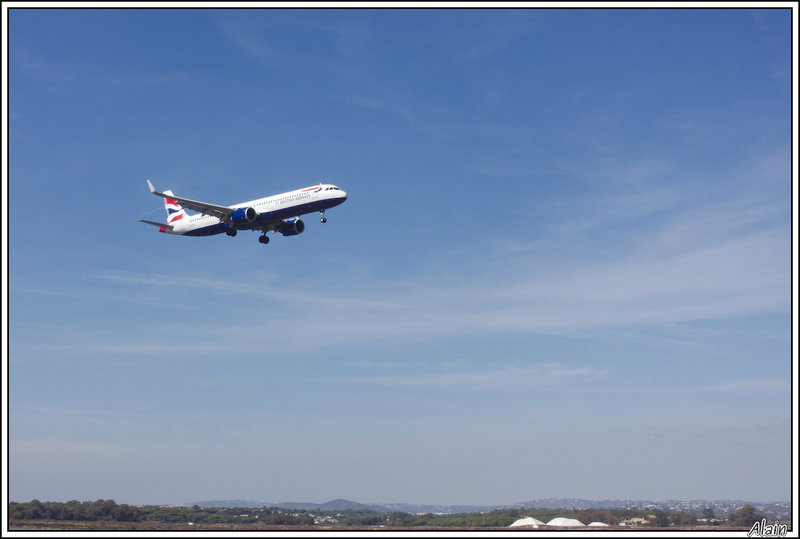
(168,227)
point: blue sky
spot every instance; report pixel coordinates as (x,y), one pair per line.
(563,269)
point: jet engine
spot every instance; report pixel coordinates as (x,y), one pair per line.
(292,227)
(243,216)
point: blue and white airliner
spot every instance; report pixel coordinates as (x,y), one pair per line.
(278,213)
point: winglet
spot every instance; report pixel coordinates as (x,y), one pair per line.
(158,193)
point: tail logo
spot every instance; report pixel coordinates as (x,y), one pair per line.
(174,211)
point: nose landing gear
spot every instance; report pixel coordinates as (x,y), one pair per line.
(322,218)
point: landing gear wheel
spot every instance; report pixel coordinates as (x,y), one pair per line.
(322,217)
(231,232)
(263,239)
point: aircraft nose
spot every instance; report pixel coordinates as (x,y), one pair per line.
(343,195)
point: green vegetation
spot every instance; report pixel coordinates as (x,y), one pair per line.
(110,511)
(745,517)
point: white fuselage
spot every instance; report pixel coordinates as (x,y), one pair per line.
(270,212)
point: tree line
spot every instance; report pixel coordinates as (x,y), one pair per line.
(108,510)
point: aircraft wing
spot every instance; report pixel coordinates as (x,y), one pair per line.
(223,213)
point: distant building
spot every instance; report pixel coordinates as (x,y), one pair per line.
(529,522)
(637,521)
(562,522)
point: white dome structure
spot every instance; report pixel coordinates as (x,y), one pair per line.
(598,524)
(562,522)
(527,522)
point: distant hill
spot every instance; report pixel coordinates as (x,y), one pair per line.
(333,505)
(227,504)
(721,508)
(441,509)
(348,505)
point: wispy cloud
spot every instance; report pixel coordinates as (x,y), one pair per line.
(739,277)
(261,288)
(502,379)
(252,40)
(40,69)
(331,42)
(738,387)
(76,76)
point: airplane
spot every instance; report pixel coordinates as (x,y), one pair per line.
(277,213)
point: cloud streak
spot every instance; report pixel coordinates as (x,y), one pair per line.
(739,277)
(503,379)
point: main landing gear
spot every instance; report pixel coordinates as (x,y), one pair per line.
(264,239)
(322,217)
